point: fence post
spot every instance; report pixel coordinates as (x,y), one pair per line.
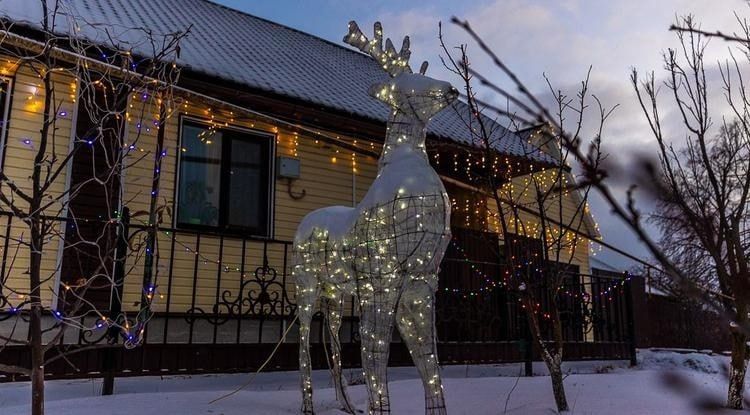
(527,346)
(115,304)
(631,320)
(148,267)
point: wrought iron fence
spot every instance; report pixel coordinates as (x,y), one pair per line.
(224,301)
(595,312)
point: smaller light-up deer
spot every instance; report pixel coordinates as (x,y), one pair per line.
(386,251)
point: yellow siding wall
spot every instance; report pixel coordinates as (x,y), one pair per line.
(23,138)
(325,181)
(575,246)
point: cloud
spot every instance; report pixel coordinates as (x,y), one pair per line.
(562,40)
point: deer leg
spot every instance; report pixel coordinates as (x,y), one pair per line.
(307,295)
(415,317)
(376,326)
(334,311)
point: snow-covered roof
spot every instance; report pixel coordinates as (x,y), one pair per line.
(236,46)
(600,264)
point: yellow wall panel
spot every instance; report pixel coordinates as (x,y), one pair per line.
(180,285)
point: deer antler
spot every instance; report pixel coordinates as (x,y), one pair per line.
(395,63)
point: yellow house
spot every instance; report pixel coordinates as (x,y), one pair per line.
(266,124)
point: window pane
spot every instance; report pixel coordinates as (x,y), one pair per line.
(247,185)
(200,176)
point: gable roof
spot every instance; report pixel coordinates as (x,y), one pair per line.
(235,46)
(527,134)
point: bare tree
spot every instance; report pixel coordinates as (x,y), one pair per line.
(541,212)
(105,78)
(703,185)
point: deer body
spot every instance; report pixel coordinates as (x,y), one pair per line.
(386,251)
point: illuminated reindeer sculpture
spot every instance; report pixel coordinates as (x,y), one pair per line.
(386,251)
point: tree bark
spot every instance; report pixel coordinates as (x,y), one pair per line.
(36,226)
(554,365)
(37,363)
(35,320)
(552,355)
(737,370)
(558,388)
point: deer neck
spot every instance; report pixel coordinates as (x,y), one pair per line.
(403,134)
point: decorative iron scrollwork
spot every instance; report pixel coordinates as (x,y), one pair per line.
(94,335)
(261,296)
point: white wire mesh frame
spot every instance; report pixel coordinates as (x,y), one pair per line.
(389,260)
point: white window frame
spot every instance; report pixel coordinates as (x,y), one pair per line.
(5,118)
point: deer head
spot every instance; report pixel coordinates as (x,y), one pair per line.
(414,95)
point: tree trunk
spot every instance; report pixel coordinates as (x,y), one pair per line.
(558,389)
(35,320)
(36,228)
(37,362)
(737,370)
(554,358)
(552,353)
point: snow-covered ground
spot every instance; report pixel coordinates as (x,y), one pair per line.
(592,388)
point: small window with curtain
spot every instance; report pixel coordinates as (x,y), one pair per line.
(224,179)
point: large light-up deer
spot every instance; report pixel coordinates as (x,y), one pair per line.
(385,251)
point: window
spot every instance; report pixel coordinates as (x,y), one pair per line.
(224,179)
(4,111)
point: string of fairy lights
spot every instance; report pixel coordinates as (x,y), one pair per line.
(490,283)
(32,102)
(474,211)
(604,290)
(468,206)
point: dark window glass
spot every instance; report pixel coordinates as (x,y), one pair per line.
(224,179)
(200,176)
(247,185)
